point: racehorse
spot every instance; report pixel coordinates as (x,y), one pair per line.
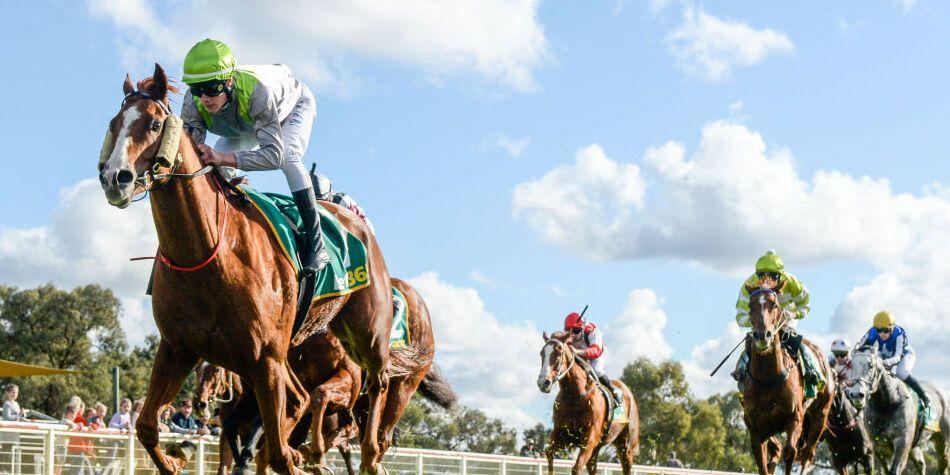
(847,434)
(892,413)
(334,382)
(581,411)
(773,398)
(221,292)
(218,385)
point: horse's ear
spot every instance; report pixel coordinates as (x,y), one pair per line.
(159,87)
(545,336)
(127,86)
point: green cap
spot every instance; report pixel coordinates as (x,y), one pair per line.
(770,262)
(207,61)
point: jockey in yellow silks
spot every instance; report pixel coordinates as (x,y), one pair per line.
(794,302)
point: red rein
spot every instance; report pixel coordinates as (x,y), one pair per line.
(217,247)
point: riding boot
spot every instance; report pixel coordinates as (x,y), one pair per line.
(609,386)
(928,410)
(313,256)
(739,373)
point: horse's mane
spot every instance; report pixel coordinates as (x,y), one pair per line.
(559,335)
(147,83)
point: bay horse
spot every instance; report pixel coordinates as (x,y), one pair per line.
(773,396)
(892,413)
(847,434)
(221,291)
(580,410)
(334,383)
(224,388)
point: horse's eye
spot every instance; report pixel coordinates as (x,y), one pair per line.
(156,125)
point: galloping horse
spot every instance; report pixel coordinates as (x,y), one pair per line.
(581,411)
(334,382)
(773,399)
(847,434)
(218,385)
(892,414)
(221,292)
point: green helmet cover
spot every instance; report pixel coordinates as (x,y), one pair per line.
(770,262)
(207,61)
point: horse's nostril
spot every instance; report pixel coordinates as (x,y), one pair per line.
(202,405)
(124,177)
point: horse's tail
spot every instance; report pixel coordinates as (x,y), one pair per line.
(436,389)
(407,360)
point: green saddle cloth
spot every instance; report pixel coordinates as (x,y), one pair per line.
(928,418)
(347,270)
(399,336)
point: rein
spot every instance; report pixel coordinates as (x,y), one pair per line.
(230,387)
(560,375)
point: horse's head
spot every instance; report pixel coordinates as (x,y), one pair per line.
(863,374)
(765,313)
(212,383)
(557,358)
(142,138)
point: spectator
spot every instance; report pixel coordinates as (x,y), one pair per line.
(528,449)
(674,462)
(123,419)
(183,422)
(203,424)
(99,419)
(137,410)
(76,403)
(165,418)
(78,449)
(11,408)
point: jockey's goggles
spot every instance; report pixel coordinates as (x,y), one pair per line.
(840,354)
(885,330)
(774,275)
(208,88)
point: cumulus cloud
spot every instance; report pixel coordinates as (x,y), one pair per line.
(733,197)
(87,242)
(637,331)
(492,365)
(709,47)
(500,41)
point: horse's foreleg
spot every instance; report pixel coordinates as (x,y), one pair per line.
(552,449)
(335,390)
(586,452)
(225,457)
(625,451)
(759,454)
(274,387)
(790,451)
(377,386)
(919,461)
(592,462)
(169,370)
(397,398)
(347,455)
(901,454)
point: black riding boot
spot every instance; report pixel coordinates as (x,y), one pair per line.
(915,385)
(313,256)
(609,386)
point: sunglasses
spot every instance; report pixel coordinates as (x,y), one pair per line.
(885,330)
(773,275)
(208,88)
(576,330)
(841,355)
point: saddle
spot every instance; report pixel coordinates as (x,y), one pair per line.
(615,412)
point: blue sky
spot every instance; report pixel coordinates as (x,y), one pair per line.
(826,121)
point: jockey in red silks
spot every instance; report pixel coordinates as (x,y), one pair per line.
(588,341)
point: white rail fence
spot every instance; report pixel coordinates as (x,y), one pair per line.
(41,449)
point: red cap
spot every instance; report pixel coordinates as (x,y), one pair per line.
(573,320)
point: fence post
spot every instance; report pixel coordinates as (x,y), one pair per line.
(130,454)
(200,464)
(419,464)
(504,467)
(464,468)
(51,451)
(540,469)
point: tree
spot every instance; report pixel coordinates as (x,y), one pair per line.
(736,447)
(469,430)
(662,395)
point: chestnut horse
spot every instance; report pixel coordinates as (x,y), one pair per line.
(580,410)
(218,385)
(334,381)
(222,292)
(773,398)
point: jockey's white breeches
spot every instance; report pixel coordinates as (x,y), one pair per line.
(906,366)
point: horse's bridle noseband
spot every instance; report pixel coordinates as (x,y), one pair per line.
(560,375)
(770,333)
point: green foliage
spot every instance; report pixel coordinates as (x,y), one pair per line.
(467,430)
(79,330)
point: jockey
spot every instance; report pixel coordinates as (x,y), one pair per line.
(263,116)
(324,190)
(840,353)
(588,340)
(794,302)
(895,351)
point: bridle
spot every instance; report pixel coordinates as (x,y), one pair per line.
(560,374)
(868,380)
(769,333)
(229,386)
(148,178)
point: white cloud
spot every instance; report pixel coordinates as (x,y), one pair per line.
(500,41)
(514,147)
(481,278)
(87,242)
(708,47)
(733,197)
(905,5)
(637,331)
(492,365)
(583,205)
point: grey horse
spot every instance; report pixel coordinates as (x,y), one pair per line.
(891,412)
